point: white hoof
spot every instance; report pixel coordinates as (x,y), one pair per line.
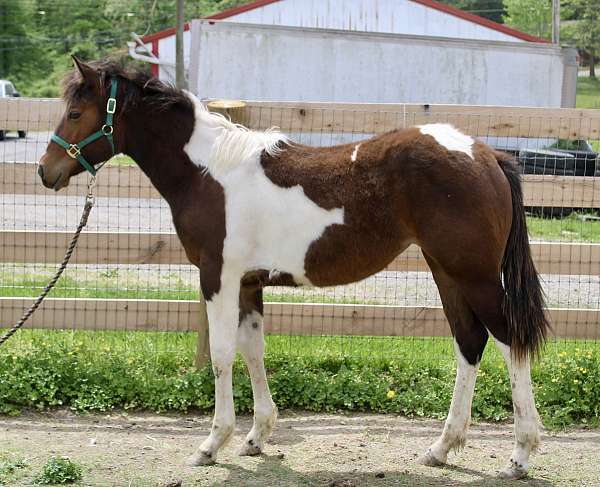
(430,461)
(200,458)
(250,448)
(513,472)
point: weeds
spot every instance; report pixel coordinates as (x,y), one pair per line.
(59,471)
(98,371)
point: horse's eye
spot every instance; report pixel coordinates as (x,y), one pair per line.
(73,115)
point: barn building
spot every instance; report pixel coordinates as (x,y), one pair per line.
(409,17)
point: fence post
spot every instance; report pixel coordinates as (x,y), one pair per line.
(235,110)
(203,344)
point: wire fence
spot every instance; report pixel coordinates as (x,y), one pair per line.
(130,278)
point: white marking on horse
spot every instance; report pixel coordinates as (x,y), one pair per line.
(267,226)
(218,145)
(527,436)
(355,153)
(449,137)
(251,344)
(459,416)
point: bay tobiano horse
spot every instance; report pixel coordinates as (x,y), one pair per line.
(253,209)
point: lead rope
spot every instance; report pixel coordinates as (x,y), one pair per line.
(89,203)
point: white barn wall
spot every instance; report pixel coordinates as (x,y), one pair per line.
(166,50)
(380,16)
(385,16)
(259,62)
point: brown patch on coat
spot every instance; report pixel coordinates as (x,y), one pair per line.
(391,192)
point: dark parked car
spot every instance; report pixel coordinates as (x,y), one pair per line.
(7,90)
(552,157)
(564,158)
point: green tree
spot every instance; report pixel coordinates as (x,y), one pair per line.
(531,16)
(37,36)
(19,53)
(584,28)
(490,9)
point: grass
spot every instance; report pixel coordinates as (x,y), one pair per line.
(574,228)
(28,284)
(11,466)
(121,160)
(588,96)
(588,92)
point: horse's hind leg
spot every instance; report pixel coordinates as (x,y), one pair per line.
(487,301)
(250,341)
(470,338)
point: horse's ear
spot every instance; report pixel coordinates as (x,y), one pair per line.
(88,74)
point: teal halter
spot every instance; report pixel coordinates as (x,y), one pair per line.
(74,150)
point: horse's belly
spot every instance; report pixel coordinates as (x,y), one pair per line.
(344,255)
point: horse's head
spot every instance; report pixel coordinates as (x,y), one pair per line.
(84,136)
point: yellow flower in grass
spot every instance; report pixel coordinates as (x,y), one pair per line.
(575,381)
(562,354)
(391,394)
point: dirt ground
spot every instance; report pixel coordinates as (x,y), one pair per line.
(305,450)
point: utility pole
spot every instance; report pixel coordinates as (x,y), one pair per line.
(3,28)
(556,22)
(179,67)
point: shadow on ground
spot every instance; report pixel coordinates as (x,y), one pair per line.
(274,469)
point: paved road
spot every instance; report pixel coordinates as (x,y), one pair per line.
(53,212)
(30,149)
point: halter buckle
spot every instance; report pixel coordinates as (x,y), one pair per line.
(73,151)
(111,105)
(107,129)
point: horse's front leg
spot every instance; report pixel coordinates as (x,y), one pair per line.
(223,315)
(251,345)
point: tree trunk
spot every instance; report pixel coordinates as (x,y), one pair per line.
(592,65)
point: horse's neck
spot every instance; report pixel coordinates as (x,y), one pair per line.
(173,152)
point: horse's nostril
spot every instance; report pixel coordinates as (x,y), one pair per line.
(41,171)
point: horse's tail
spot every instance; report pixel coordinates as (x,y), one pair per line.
(523,303)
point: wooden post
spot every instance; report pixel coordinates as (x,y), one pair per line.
(203,345)
(235,110)
(556,22)
(179,67)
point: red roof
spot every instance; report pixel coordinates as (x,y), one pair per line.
(490,24)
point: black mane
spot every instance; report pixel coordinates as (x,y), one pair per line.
(142,87)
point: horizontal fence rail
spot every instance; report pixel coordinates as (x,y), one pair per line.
(130,182)
(303,319)
(366,118)
(160,250)
(165,248)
